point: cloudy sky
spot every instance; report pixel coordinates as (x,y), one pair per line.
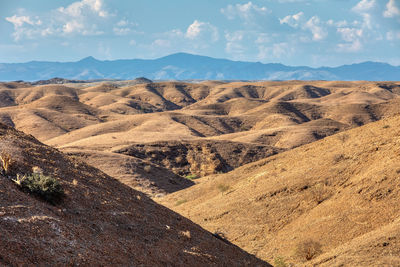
(292,32)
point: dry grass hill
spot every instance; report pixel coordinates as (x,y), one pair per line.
(99,222)
(296,171)
(340,193)
(218,125)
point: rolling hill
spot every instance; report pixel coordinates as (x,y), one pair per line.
(189,129)
(340,192)
(302,172)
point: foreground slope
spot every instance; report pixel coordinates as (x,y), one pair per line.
(99,222)
(341,192)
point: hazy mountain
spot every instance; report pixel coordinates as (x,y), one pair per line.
(182,66)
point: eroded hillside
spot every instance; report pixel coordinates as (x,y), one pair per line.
(218,126)
(100,221)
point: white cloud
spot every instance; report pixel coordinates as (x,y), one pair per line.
(200,29)
(19,21)
(197,37)
(80,8)
(364,6)
(391,10)
(352,39)
(350,47)
(161,43)
(276,51)
(81,17)
(23,26)
(342,23)
(124,27)
(80,28)
(263,38)
(122,23)
(314,25)
(234,44)
(292,20)
(73,26)
(245,12)
(85,17)
(350,34)
(235,49)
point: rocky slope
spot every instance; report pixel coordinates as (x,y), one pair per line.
(99,222)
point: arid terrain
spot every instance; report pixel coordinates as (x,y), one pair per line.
(100,221)
(280,169)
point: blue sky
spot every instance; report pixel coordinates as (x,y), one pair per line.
(292,32)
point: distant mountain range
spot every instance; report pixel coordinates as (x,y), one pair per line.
(182,66)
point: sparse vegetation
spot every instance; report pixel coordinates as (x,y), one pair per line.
(386,126)
(308,249)
(223,187)
(46,187)
(338,158)
(6,161)
(320,193)
(244,128)
(180,202)
(192,177)
(280,262)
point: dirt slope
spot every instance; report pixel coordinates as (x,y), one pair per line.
(145,176)
(341,192)
(200,157)
(100,221)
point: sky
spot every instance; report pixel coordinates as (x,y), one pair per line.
(292,32)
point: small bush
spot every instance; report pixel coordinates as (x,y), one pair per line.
(308,249)
(338,158)
(192,177)
(222,187)
(46,187)
(180,202)
(320,193)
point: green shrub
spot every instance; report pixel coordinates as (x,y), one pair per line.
(192,177)
(46,187)
(180,202)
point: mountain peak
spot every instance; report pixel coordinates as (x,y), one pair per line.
(88,59)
